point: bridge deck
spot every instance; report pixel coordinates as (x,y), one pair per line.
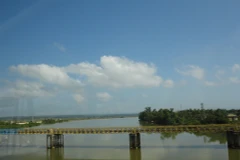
(118,130)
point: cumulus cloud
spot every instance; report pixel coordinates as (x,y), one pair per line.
(47,74)
(103,96)
(236,67)
(117,72)
(78,98)
(59,46)
(192,70)
(112,72)
(29,89)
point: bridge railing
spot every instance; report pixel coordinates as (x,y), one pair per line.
(141,129)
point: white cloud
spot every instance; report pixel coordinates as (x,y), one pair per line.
(29,89)
(192,70)
(60,47)
(112,72)
(118,72)
(168,83)
(103,96)
(78,98)
(209,83)
(235,80)
(236,67)
(47,74)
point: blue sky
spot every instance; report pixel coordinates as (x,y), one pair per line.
(87,57)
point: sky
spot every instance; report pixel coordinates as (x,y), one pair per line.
(101,57)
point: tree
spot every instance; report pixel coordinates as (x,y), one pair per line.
(183,117)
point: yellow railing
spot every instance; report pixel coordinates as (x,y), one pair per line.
(145,129)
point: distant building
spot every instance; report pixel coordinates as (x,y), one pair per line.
(232,117)
(39,122)
(22,123)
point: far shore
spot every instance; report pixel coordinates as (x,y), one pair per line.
(78,119)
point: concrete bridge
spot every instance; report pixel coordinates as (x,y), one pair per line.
(55,136)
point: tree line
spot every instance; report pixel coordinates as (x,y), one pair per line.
(53,121)
(185,117)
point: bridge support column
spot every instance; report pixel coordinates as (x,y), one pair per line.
(233,139)
(55,141)
(138,142)
(134,140)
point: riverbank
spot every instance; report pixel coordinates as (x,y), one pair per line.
(18,126)
(24,124)
(93,118)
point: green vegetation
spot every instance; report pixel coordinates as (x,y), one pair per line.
(207,137)
(53,121)
(185,117)
(8,125)
(168,135)
(212,137)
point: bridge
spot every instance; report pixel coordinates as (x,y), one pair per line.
(55,136)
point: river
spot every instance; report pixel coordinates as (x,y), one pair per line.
(184,146)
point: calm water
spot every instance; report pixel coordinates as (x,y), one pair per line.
(182,146)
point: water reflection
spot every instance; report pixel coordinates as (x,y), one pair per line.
(58,154)
(112,151)
(233,154)
(213,137)
(55,154)
(207,137)
(164,136)
(135,154)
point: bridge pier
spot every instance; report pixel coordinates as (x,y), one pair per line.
(134,140)
(54,141)
(233,139)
